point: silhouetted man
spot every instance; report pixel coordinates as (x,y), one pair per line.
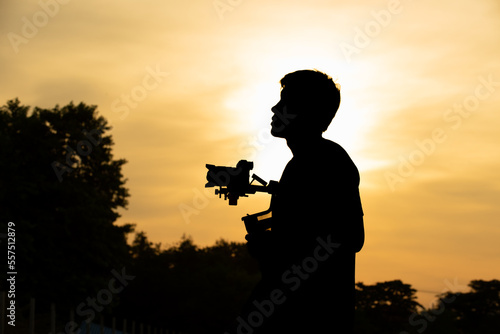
(308,257)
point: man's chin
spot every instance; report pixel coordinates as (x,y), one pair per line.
(277,133)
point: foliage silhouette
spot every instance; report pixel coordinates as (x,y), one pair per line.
(198,290)
(67,241)
(192,289)
(384,307)
(476,311)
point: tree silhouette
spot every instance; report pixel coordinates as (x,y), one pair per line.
(192,289)
(61,187)
(384,307)
(476,311)
(142,249)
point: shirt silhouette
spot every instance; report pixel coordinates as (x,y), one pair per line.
(308,257)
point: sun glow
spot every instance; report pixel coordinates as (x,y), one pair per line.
(252,102)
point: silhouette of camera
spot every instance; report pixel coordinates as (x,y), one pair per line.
(234,182)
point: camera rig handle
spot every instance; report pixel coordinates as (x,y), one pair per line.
(259,221)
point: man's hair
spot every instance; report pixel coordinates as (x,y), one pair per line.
(314,92)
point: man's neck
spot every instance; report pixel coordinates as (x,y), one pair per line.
(301,145)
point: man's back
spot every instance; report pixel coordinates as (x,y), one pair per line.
(310,251)
(318,193)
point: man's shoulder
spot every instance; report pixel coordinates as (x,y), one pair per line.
(331,148)
(335,156)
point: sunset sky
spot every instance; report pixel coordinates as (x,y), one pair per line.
(185,83)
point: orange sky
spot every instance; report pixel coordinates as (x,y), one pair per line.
(189,83)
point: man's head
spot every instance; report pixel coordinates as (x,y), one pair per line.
(309,101)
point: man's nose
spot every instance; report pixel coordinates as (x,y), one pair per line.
(276,108)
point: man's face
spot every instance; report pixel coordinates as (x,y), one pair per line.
(284,114)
